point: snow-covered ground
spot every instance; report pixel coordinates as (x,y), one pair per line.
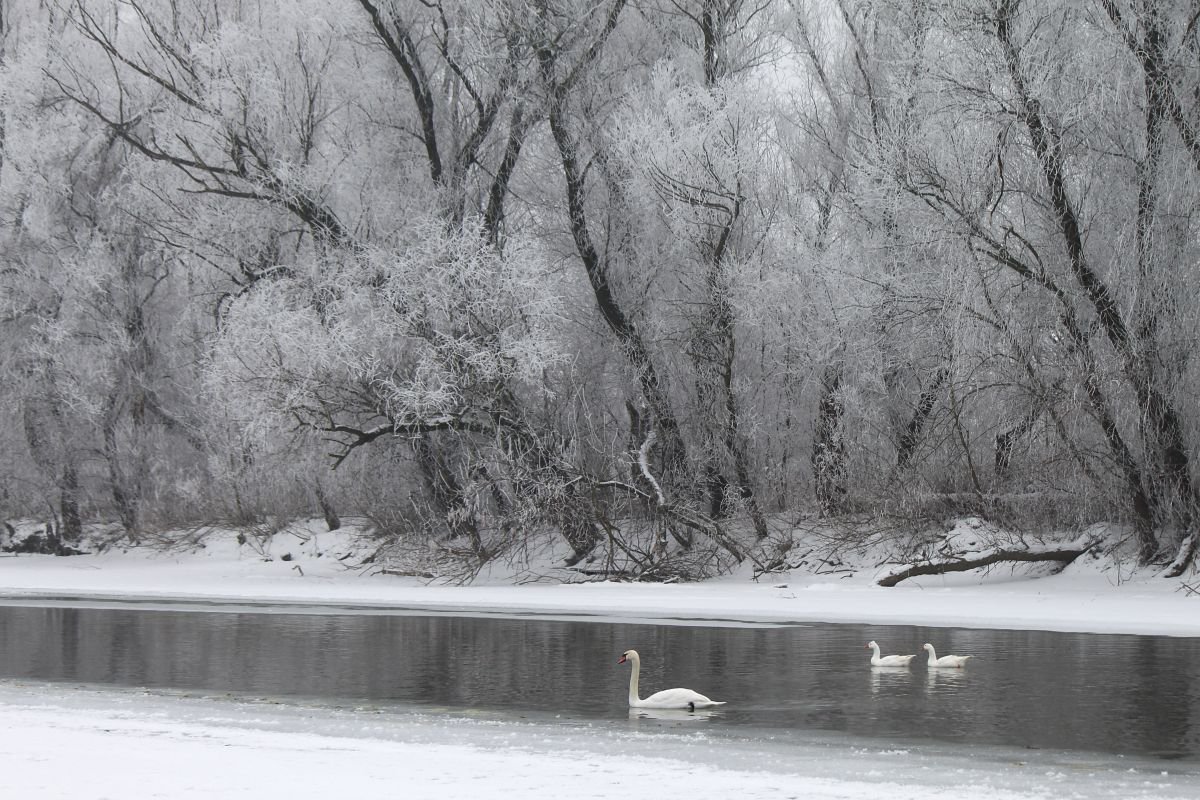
(77,743)
(87,742)
(1091,595)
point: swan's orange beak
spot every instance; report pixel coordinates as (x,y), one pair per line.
(621,660)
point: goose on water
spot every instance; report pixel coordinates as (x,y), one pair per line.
(887,661)
(945,661)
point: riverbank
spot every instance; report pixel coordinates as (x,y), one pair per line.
(306,568)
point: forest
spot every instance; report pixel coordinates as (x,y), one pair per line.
(658,276)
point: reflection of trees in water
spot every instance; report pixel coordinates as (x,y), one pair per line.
(1160,697)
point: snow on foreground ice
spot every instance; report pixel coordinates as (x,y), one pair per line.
(74,742)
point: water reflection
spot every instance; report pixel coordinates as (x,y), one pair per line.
(887,679)
(1122,694)
(673,714)
(944,680)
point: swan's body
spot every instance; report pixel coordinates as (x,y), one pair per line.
(957,662)
(887,661)
(667,698)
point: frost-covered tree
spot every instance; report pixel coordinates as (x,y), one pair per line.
(641,273)
(89,299)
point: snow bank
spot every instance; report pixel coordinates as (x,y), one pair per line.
(301,570)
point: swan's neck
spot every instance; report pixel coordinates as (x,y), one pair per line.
(636,668)
(932,655)
(875,648)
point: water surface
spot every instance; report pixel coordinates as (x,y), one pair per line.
(1136,695)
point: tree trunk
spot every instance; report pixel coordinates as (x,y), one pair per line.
(126,498)
(1160,415)
(829,442)
(910,436)
(447,493)
(332,520)
(578,529)
(71,529)
(734,442)
(1185,556)
(674,453)
(1006,441)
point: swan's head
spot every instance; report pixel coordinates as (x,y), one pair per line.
(628,655)
(927,646)
(869,645)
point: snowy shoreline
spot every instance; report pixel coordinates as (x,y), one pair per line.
(300,572)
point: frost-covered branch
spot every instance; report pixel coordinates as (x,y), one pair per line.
(684,516)
(643,462)
(351,438)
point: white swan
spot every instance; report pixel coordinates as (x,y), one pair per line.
(945,661)
(667,698)
(887,661)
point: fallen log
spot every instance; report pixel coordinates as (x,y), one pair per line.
(984,558)
(1187,552)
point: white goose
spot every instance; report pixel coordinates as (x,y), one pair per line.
(945,661)
(667,698)
(887,661)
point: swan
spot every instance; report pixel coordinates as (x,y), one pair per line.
(667,698)
(944,661)
(887,661)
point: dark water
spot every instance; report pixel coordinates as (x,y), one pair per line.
(1115,694)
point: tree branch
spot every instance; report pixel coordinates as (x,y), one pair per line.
(404,53)
(1062,553)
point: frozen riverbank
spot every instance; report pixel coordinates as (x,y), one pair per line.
(80,742)
(305,569)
